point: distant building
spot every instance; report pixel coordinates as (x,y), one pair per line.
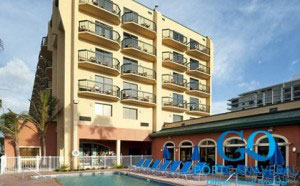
(284,92)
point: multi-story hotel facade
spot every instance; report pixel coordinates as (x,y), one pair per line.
(120,70)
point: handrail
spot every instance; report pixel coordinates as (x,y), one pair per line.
(104,4)
(169,101)
(198,86)
(139,45)
(171,56)
(98,87)
(198,107)
(138,69)
(168,33)
(138,19)
(98,29)
(98,58)
(200,67)
(194,45)
(138,95)
(168,78)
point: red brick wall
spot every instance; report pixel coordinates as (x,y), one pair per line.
(291,132)
(28,136)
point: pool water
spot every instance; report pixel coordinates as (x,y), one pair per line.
(108,180)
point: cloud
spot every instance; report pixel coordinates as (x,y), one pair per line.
(297,61)
(252,85)
(16,84)
(219,107)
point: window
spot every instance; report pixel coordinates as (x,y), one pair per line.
(130,113)
(130,86)
(103,110)
(130,65)
(194,64)
(104,84)
(178,100)
(177,57)
(104,58)
(194,103)
(193,44)
(178,79)
(29,151)
(194,84)
(177,118)
(104,30)
(178,37)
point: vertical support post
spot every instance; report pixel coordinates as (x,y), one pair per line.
(3,164)
(50,163)
(281,94)
(37,164)
(130,160)
(292,93)
(19,163)
(118,152)
(104,161)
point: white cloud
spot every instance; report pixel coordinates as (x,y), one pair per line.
(295,62)
(252,85)
(219,107)
(17,80)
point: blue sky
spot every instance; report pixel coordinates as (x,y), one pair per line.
(256,43)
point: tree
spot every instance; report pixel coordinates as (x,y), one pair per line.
(43,113)
(11,125)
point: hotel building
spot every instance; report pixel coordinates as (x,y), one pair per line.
(120,70)
(284,92)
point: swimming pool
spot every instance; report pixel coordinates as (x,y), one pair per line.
(108,179)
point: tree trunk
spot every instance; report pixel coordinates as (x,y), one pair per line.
(17,149)
(44,145)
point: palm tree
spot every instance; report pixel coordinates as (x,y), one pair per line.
(11,125)
(43,113)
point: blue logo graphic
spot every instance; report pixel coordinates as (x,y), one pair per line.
(249,149)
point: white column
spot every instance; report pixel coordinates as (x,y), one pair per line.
(118,151)
(292,93)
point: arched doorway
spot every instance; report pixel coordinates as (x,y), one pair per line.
(171,147)
(185,151)
(263,149)
(230,146)
(93,149)
(208,151)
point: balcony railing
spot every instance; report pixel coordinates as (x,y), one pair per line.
(130,68)
(198,107)
(139,45)
(138,19)
(170,56)
(169,101)
(104,4)
(199,67)
(167,33)
(138,95)
(167,78)
(98,58)
(98,87)
(100,30)
(44,41)
(199,87)
(199,47)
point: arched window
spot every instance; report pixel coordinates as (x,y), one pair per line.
(230,147)
(171,148)
(208,151)
(185,151)
(263,149)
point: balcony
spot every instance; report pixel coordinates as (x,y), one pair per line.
(139,49)
(199,70)
(138,73)
(139,24)
(174,83)
(139,98)
(98,62)
(198,109)
(198,89)
(48,70)
(172,61)
(174,105)
(99,34)
(98,90)
(174,39)
(104,9)
(199,51)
